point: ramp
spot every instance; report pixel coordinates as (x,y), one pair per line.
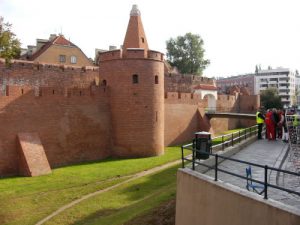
(32,158)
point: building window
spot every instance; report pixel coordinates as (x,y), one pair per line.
(143,40)
(104,83)
(156,79)
(135,79)
(62,58)
(73,59)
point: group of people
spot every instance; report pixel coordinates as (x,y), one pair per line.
(275,124)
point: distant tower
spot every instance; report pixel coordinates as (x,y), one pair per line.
(135,77)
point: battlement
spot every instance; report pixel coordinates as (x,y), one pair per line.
(131,53)
(185,83)
(227,97)
(31,65)
(17,91)
(183,98)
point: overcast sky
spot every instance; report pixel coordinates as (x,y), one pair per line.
(237,34)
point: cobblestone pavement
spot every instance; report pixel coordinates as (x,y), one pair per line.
(264,152)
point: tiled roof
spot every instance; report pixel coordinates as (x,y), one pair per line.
(59,40)
(206,87)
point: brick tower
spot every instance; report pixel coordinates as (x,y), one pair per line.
(135,78)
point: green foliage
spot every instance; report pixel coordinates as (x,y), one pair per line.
(270,99)
(9,44)
(186,53)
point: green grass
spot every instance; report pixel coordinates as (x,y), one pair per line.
(219,140)
(124,203)
(27,200)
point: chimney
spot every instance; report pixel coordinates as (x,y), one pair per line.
(112,47)
(52,36)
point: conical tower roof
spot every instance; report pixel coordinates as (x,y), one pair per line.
(135,34)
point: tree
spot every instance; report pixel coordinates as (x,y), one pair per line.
(270,99)
(9,44)
(186,53)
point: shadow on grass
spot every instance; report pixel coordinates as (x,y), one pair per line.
(141,195)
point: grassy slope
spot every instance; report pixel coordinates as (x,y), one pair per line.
(124,203)
(26,200)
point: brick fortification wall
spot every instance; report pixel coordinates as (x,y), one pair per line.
(184,83)
(137,106)
(25,73)
(73,124)
(185,115)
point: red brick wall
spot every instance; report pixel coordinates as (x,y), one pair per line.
(184,115)
(72,128)
(249,103)
(22,73)
(137,110)
(227,103)
(181,122)
(220,124)
(184,83)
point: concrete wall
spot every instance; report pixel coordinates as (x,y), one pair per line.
(202,201)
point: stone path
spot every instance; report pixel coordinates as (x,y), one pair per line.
(262,152)
(134,177)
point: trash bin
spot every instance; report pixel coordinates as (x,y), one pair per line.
(202,142)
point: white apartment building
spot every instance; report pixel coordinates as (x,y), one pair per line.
(297,87)
(282,79)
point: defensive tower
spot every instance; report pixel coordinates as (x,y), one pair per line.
(135,77)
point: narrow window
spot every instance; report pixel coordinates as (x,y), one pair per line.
(73,59)
(62,58)
(52,91)
(156,79)
(22,91)
(143,40)
(104,83)
(80,93)
(135,79)
(156,116)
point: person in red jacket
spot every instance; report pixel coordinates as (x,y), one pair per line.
(270,128)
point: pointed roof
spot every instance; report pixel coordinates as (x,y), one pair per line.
(135,35)
(58,40)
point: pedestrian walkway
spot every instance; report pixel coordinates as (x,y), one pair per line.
(262,152)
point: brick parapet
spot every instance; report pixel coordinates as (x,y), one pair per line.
(184,82)
(18,91)
(35,75)
(23,64)
(182,98)
(131,53)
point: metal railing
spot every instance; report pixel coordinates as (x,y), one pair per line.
(231,139)
(212,110)
(216,169)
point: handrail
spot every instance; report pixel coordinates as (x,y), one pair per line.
(241,134)
(266,168)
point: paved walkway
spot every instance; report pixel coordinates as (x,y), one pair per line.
(262,152)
